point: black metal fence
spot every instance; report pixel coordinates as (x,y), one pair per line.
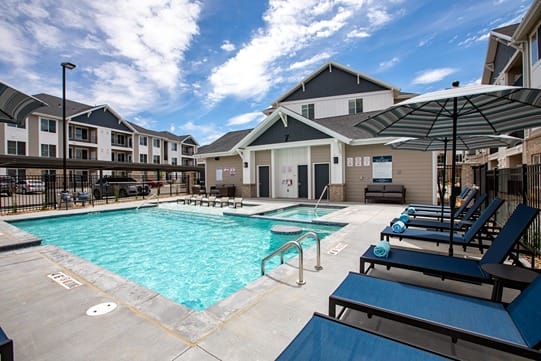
(46,192)
(514,185)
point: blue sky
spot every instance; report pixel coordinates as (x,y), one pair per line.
(208,67)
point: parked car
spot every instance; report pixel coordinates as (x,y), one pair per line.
(30,186)
(7,185)
(119,186)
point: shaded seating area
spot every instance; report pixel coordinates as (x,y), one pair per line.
(455,267)
(325,338)
(436,212)
(513,328)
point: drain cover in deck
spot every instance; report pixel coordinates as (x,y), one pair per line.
(101,309)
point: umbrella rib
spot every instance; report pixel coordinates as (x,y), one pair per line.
(480,112)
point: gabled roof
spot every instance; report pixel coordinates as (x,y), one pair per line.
(329,66)
(499,52)
(54,107)
(225,144)
(177,138)
(161,134)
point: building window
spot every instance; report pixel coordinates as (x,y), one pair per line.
(156,143)
(48,125)
(48,150)
(80,133)
(17,125)
(355,106)
(156,159)
(174,147)
(308,111)
(174,161)
(536,158)
(143,141)
(16,148)
(535,42)
(143,158)
(78,153)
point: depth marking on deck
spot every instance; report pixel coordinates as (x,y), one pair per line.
(337,248)
(64,280)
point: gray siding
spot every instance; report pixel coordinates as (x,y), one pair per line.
(413,169)
(263,157)
(103,119)
(503,55)
(337,82)
(294,132)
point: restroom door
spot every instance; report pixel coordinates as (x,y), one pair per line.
(264,180)
(302,171)
(321,179)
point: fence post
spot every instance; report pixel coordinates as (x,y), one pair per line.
(524,183)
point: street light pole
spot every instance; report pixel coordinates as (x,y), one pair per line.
(64,125)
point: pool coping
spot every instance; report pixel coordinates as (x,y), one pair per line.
(192,326)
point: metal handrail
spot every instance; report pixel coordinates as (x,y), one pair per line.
(147,200)
(318,247)
(321,196)
(281,250)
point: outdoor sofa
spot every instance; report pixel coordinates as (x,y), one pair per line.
(385,192)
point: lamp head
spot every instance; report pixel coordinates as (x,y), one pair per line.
(68,65)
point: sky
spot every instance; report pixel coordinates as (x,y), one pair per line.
(208,67)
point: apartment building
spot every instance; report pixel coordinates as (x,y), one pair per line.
(514,58)
(309,148)
(94,133)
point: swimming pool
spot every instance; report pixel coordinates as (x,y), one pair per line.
(194,259)
(301,212)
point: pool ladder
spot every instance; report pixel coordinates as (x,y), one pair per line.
(147,200)
(296,243)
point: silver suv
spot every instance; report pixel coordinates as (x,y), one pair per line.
(119,186)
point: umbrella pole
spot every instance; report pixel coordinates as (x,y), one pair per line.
(442,189)
(453,175)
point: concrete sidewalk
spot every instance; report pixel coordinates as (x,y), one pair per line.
(49,322)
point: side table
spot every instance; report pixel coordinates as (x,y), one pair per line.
(506,275)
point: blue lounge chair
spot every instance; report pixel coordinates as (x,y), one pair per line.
(466,221)
(465,239)
(324,338)
(429,208)
(454,267)
(513,328)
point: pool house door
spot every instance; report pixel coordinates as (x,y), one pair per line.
(321,179)
(302,171)
(263,181)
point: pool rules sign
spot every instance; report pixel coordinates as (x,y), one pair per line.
(382,169)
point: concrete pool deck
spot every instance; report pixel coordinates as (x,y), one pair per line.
(49,322)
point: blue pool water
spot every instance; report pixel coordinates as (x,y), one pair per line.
(191,258)
(301,213)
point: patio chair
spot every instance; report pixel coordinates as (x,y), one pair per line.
(184,200)
(513,328)
(436,212)
(460,224)
(195,199)
(208,200)
(465,239)
(454,267)
(324,338)
(221,201)
(462,195)
(235,201)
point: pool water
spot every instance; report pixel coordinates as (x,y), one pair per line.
(193,259)
(301,213)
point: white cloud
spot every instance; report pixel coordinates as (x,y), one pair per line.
(384,65)
(291,27)
(358,33)
(433,75)
(246,118)
(318,58)
(228,46)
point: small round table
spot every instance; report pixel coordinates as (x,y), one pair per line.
(506,275)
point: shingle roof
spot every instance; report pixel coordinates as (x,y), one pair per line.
(345,124)
(508,30)
(225,143)
(54,107)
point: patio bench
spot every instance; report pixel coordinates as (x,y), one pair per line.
(385,193)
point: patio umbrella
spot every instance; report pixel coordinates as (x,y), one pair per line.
(472,110)
(468,142)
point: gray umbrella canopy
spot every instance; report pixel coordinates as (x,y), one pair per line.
(468,142)
(472,110)
(16,105)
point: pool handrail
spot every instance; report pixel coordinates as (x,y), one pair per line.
(281,250)
(318,247)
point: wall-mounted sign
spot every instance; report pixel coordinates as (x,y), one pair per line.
(349,162)
(382,169)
